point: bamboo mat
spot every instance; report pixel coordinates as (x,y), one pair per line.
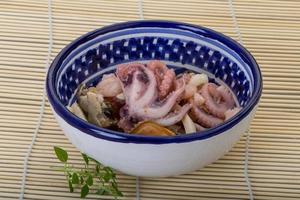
(270,29)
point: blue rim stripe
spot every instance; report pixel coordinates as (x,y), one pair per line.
(106,134)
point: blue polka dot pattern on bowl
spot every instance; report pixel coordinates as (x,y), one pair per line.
(181,50)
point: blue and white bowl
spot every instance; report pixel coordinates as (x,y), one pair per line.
(182,46)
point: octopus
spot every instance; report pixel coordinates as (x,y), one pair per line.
(231,112)
(165,77)
(140,85)
(211,105)
(218,99)
(150,99)
(204,118)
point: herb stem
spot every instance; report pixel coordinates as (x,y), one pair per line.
(104,178)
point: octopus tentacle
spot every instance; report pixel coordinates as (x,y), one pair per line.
(164,77)
(231,112)
(124,71)
(150,93)
(140,88)
(199,127)
(166,83)
(174,117)
(135,90)
(126,121)
(125,124)
(203,118)
(216,101)
(160,109)
(227,96)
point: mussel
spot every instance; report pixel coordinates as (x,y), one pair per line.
(76,110)
(97,110)
(150,128)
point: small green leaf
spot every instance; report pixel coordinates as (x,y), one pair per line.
(71,186)
(89,180)
(69,175)
(75,179)
(106,177)
(108,170)
(61,154)
(85,158)
(97,169)
(120,194)
(81,180)
(115,189)
(114,185)
(84,191)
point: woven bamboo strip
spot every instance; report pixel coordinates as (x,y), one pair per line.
(269,29)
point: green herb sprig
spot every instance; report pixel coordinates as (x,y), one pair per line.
(93,174)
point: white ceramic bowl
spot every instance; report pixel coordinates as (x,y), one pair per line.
(182,46)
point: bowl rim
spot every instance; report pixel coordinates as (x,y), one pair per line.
(116,136)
